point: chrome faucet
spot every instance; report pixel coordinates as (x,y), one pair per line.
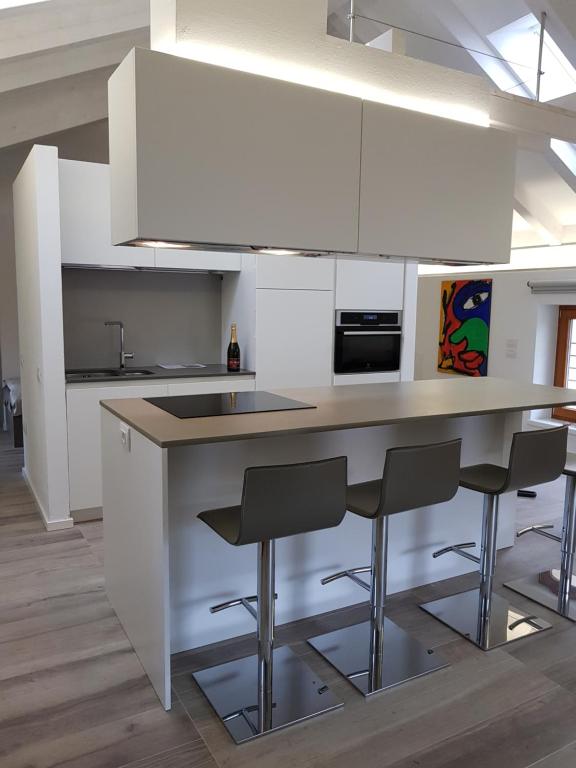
(123,355)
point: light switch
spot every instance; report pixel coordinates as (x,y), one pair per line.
(511,349)
(125,436)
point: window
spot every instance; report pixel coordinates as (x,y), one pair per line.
(519,42)
(565,373)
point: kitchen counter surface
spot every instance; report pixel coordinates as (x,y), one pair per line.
(348,407)
(216,371)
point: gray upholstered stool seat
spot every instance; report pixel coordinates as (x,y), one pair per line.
(275,688)
(484,618)
(225,522)
(363,499)
(484,478)
(377,654)
(555,588)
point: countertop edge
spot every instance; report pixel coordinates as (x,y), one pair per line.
(165,444)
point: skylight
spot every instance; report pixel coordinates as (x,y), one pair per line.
(566,152)
(519,42)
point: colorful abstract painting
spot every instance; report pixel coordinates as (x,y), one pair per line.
(465,327)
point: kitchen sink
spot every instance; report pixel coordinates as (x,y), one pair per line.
(107,373)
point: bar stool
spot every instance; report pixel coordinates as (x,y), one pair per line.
(377,654)
(273,689)
(484,618)
(555,588)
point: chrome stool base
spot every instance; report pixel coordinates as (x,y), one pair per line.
(543,588)
(505,623)
(232,690)
(402,657)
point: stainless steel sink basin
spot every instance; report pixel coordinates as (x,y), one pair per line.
(107,373)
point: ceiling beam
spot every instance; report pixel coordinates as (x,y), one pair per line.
(57,63)
(54,106)
(35,28)
(528,205)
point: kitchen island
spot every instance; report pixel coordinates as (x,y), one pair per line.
(164,568)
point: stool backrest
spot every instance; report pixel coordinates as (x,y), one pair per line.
(419,475)
(536,457)
(285,500)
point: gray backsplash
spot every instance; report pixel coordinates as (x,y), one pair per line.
(168,318)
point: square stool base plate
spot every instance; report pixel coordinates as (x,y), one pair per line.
(403,659)
(460,612)
(540,587)
(232,690)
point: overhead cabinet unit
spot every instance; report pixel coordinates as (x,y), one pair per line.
(433,188)
(207,155)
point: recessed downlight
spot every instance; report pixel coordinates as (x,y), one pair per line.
(278,252)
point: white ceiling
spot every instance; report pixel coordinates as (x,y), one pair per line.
(56,57)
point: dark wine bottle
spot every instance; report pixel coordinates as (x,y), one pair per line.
(233,350)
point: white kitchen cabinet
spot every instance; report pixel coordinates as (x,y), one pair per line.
(85,219)
(295,272)
(204,261)
(241,160)
(433,188)
(210,386)
(84,444)
(294,338)
(375,284)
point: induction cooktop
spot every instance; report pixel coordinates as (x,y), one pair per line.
(228,404)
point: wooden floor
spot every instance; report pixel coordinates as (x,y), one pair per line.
(73,694)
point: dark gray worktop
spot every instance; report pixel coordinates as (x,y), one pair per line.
(216,371)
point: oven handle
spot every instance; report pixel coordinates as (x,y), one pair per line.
(371,333)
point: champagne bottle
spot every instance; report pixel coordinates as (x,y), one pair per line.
(233,350)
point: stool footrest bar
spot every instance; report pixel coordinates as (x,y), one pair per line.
(350,574)
(245,602)
(458,549)
(541,530)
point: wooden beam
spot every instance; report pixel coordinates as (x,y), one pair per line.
(57,63)
(543,222)
(54,106)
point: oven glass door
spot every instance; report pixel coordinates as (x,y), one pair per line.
(367,351)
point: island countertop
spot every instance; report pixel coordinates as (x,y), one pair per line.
(350,407)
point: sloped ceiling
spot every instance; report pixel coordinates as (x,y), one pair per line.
(546,188)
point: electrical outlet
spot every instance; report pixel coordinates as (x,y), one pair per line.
(125,436)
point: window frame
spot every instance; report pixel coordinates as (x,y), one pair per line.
(566,314)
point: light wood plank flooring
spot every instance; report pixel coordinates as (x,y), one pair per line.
(73,694)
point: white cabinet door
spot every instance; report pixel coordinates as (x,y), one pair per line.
(85,219)
(176,258)
(369,284)
(84,443)
(295,272)
(433,188)
(242,160)
(208,387)
(294,338)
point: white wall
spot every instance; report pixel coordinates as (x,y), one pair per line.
(522,332)
(37,244)
(168,318)
(517,316)
(88,142)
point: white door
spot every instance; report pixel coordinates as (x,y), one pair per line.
(294,338)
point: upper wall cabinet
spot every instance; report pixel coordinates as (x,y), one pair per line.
(295,273)
(85,219)
(205,154)
(435,189)
(374,284)
(176,258)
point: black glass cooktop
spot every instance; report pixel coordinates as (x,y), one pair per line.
(228,404)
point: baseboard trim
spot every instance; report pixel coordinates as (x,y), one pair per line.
(50,525)
(88,515)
